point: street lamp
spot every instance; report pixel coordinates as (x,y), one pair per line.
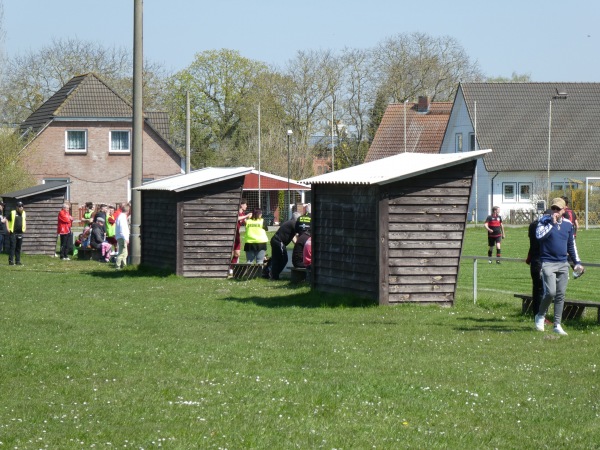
(289,134)
(559,95)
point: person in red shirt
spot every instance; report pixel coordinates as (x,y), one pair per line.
(65,222)
(495,229)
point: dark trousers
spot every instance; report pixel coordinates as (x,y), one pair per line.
(2,241)
(65,244)
(279,257)
(14,249)
(537,286)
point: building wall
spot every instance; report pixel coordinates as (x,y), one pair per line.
(96,175)
(207,221)
(425,222)
(345,244)
(42,219)
(159,230)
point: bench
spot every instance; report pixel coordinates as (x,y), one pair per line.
(246,271)
(89,253)
(573,308)
(297,274)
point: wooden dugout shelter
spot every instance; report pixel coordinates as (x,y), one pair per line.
(392,229)
(42,203)
(189,221)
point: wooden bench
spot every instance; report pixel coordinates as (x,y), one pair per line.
(297,274)
(573,308)
(247,271)
(89,253)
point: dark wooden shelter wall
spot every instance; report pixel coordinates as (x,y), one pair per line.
(426,224)
(42,220)
(207,228)
(159,230)
(345,239)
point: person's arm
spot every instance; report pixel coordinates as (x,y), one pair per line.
(502,229)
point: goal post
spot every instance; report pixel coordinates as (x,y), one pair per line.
(589,184)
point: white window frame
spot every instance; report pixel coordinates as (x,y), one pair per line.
(458,143)
(76,150)
(528,198)
(506,198)
(66,180)
(110,142)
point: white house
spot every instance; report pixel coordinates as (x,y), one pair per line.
(544,137)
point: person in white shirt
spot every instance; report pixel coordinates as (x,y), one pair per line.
(122,235)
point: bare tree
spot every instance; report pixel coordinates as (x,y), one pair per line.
(32,78)
(410,65)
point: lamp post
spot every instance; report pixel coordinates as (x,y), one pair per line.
(289,134)
(559,95)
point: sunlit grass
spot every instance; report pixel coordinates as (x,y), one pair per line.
(92,358)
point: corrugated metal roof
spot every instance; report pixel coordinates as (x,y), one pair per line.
(35,190)
(197,178)
(394,168)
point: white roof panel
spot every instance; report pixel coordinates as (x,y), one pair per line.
(394,168)
(197,178)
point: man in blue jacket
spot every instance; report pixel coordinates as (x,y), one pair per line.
(555,235)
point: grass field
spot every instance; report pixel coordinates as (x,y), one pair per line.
(94,358)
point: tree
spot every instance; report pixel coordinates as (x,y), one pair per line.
(30,79)
(12,175)
(220,84)
(416,64)
(515,78)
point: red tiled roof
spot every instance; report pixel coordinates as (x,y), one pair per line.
(424,130)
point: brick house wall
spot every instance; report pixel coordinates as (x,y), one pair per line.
(97,175)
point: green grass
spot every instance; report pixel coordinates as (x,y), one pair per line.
(92,358)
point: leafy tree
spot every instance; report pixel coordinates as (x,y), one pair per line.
(515,78)
(220,84)
(12,174)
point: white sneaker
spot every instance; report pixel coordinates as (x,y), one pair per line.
(558,330)
(230,271)
(539,322)
(489,261)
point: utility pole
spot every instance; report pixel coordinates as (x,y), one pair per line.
(138,130)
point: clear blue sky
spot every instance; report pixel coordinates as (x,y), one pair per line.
(549,39)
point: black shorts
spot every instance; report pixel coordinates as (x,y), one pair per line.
(493,240)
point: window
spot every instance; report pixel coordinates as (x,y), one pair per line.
(508,190)
(76,141)
(65,180)
(471,141)
(459,142)
(119,141)
(525,192)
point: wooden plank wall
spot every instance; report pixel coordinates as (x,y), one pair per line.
(344,223)
(159,230)
(207,229)
(426,224)
(42,221)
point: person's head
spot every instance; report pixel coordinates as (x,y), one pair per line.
(125,208)
(557,205)
(65,206)
(89,205)
(257,213)
(20,206)
(243,204)
(495,210)
(100,221)
(566,199)
(104,207)
(1,206)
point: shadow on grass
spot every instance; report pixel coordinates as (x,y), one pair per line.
(131,272)
(310,299)
(489,324)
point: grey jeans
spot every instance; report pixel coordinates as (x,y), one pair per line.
(555,276)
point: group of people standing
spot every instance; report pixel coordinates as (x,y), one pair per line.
(552,252)
(296,229)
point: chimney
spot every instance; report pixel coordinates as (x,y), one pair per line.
(423,105)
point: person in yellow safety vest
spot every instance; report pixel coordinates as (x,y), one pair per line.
(255,239)
(110,225)
(17,224)
(88,215)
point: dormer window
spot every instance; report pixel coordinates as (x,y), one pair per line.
(120,141)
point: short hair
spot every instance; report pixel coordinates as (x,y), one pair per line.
(256,213)
(495,208)
(243,201)
(125,207)
(566,199)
